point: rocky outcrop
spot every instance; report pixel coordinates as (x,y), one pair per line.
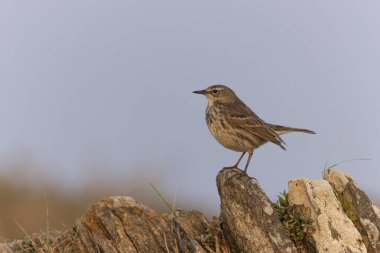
(332,230)
(249,220)
(364,214)
(330,215)
(120,224)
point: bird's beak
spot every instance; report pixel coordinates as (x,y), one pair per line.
(203,92)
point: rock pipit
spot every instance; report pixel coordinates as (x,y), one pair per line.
(236,126)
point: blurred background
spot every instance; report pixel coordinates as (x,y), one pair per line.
(95,99)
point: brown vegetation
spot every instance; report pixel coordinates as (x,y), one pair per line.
(26,194)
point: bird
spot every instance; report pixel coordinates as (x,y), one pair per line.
(235,126)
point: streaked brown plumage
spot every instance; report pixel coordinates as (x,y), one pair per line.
(236,126)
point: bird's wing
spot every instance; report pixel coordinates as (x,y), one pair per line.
(243,117)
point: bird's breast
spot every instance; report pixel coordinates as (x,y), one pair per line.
(224,133)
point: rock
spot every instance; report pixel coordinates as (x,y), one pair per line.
(332,230)
(206,236)
(248,218)
(120,224)
(366,215)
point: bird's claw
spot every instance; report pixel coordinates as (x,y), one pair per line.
(245,173)
(242,171)
(230,167)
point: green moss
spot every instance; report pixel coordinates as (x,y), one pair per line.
(212,231)
(25,246)
(295,222)
(347,206)
(210,236)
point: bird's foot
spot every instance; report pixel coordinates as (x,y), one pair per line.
(246,174)
(231,167)
(242,171)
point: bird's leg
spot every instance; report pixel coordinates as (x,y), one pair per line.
(237,163)
(248,160)
(246,166)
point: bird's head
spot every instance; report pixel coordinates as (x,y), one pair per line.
(218,93)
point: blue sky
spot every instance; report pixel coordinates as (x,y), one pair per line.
(104,88)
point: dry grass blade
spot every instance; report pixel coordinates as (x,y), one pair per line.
(47,221)
(162,198)
(26,234)
(347,161)
(326,167)
(333,150)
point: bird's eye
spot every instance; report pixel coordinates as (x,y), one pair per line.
(215,91)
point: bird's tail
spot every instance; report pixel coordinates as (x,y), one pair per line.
(284,130)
